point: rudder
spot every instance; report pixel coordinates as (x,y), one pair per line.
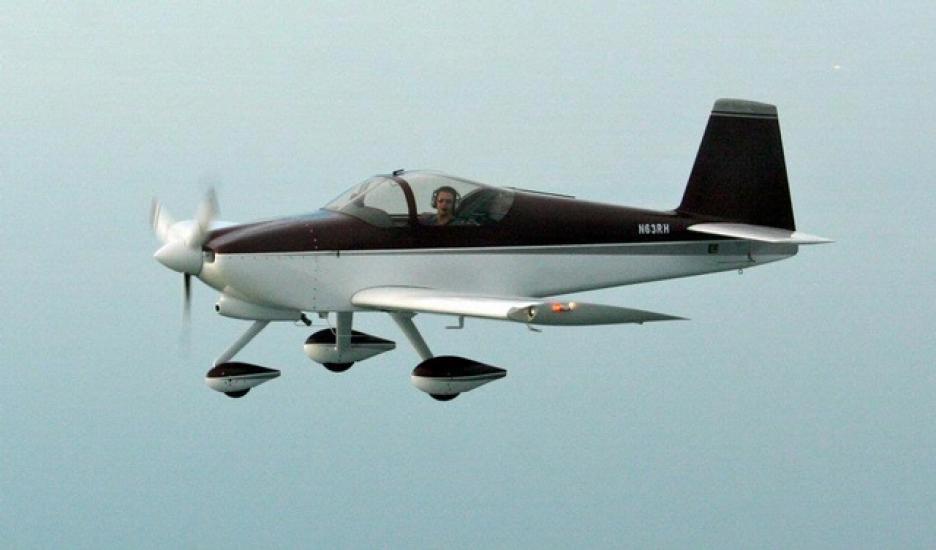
(739,173)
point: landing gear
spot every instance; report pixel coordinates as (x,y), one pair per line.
(340,348)
(438,397)
(235,379)
(337,367)
(444,377)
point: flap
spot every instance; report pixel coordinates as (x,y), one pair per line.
(535,311)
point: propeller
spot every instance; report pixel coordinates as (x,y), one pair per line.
(182,243)
(161,220)
(187,298)
(204,216)
(185,336)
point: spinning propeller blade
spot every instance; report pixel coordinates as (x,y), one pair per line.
(187,299)
(204,216)
(185,332)
(182,245)
(161,221)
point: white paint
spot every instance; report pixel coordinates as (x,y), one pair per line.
(523,310)
(227,384)
(329,353)
(326,281)
(757,233)
(178,256)
(230,306)
(451,385)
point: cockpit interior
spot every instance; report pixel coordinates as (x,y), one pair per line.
(408,199)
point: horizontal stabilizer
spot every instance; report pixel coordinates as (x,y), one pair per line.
(757,233)
(534,311)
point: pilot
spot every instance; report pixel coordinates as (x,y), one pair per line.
(444,200)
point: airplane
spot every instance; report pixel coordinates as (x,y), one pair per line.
(412,242)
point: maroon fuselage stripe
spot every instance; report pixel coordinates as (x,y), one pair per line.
(533,220)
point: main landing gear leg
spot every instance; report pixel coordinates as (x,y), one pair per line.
(343,331)
(343,320)
(405,322)
(446,376)
(338,347)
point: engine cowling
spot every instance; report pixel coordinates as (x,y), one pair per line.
(447,376)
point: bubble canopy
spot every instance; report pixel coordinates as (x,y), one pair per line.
(407,198)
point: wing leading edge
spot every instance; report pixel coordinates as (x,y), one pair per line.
(533,311)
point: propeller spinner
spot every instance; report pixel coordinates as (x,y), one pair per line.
(182,242)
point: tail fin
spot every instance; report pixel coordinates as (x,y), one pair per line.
(739,173)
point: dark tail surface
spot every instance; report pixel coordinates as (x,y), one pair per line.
(739,173)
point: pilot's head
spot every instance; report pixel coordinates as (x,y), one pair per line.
(445,199)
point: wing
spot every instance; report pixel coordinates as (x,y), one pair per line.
(534,311)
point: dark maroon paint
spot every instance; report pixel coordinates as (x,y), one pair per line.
(739,176)
(534,220)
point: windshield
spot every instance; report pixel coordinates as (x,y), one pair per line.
(378,201)
(438,199)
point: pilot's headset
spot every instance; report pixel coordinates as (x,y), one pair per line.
(446,189)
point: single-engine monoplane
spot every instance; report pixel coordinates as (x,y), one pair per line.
(413,242)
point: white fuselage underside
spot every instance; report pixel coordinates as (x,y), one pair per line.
(326,281)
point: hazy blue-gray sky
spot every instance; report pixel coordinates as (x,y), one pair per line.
(795,409)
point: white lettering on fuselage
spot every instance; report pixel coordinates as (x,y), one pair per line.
(653,229)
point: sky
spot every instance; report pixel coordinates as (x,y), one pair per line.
(794,409)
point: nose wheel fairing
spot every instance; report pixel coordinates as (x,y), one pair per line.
(236,379)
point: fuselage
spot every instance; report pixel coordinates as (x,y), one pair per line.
(543,246)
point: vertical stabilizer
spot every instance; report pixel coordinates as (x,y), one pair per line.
(739,173)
